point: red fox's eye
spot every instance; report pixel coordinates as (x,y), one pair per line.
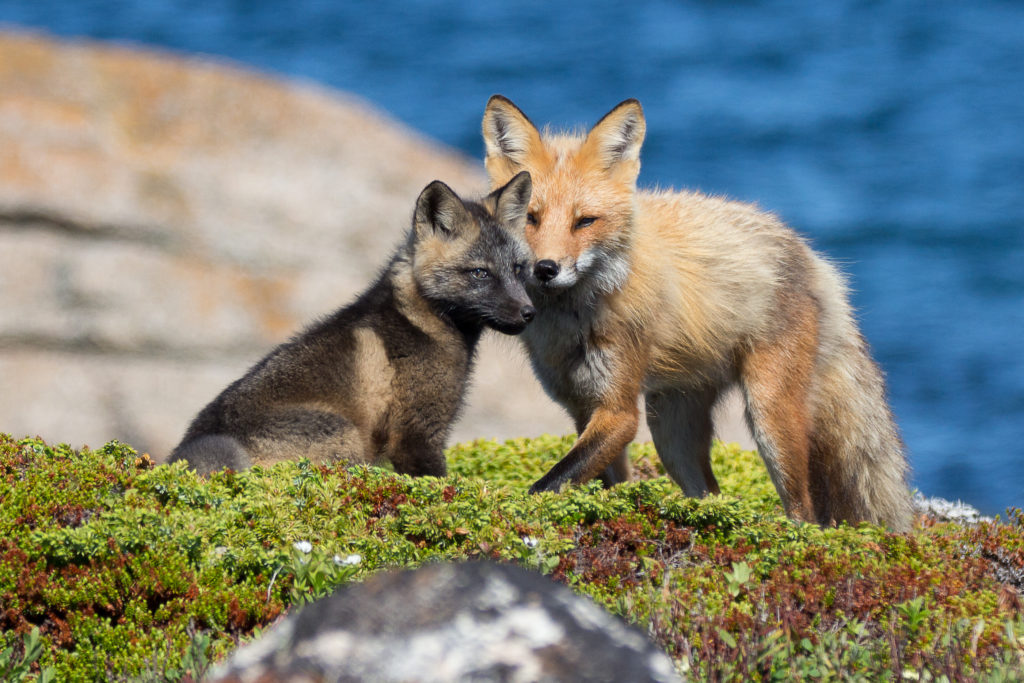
(479,274)
(584,222)
(517,268)
(531,219)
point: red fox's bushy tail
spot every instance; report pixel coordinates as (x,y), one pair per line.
(855,443)
(857,459)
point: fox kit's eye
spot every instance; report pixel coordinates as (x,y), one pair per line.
(531,219)
(517,268)
(479,274)
(584,222)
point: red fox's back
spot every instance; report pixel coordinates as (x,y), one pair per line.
(707,275)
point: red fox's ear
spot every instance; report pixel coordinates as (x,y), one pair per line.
(512,199)
(618,136)
(509,137)
(440,212)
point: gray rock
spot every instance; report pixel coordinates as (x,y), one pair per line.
(451,622)
(948,511)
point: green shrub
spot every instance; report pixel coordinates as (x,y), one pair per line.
(112,568)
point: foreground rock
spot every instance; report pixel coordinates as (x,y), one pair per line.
(451,622)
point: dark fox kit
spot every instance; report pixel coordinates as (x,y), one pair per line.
(384,377)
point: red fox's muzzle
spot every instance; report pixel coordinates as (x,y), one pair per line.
(551,274)
(545,270)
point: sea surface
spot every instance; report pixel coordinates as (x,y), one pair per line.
(889,133)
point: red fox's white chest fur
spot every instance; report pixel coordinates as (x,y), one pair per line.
(676,296)
(567,353)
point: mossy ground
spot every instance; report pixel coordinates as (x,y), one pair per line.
(126,570)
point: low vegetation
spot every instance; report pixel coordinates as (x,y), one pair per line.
(112,568)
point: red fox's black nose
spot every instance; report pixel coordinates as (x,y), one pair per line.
(528,312)
(545,270)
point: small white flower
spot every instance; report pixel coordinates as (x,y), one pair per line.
(530,541)
(303,546)
(348,559)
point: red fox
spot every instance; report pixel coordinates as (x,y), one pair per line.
(676,296)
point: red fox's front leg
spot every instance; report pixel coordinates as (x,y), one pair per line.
(681,428)
(619,470)
(601,444)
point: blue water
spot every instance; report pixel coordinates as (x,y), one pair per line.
(890,133)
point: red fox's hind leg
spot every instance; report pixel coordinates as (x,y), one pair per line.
(776,380)
(680,424)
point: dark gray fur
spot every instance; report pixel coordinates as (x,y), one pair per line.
(383,378)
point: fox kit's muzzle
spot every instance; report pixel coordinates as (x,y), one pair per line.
(514,322)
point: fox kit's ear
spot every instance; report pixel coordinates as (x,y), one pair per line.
(509,136)
(617,138)
(512,199)
(440,212)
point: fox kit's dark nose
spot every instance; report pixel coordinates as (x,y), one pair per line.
(545,270)
(528,313)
